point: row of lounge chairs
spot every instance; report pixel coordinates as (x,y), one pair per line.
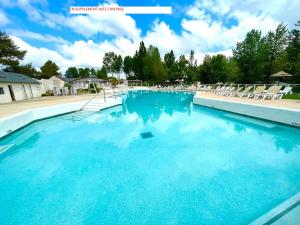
(258,92)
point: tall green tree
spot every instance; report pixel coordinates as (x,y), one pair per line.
(10,54)
(102,74)
(275,44)
(118,65)
(293,53)
(138,62)
(109,62)
(154,69)
(250,56)
(49,69)
(182,67)
(192,70)
(28,70)
(233,71)
(72,72)
(112,63)
(128,67)
(84,72)
(171,66)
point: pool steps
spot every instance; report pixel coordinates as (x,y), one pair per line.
(98,104)
(16,121)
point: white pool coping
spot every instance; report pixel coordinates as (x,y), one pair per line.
(276,114)
(19,120)
(279,211)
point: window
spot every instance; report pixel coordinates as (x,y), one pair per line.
(1,91)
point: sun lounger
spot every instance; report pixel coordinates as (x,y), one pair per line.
(273,90)
(286,90)
(246,91)
(228,91)
(224,88)
(235,92)
(258,90)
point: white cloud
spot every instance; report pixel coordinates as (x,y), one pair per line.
(117,24)
(28,6)
(36,36)
(38,56)
(203,28)
(79,54)
(3,19)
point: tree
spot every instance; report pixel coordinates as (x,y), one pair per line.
(109,62)
(153,67)
(233,71)
(49,69)
(72,72)
(102,74)
(28,70)
(250,57)
(83,72)
(10,55)
(128,67)
(191,74)
(218,66)
(138,61)
(293,52)
(92,72)
(182,67)
(275,46)
(171,66)
(118,65)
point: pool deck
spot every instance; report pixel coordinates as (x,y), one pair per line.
(283,103)
(283,111)
(9,109)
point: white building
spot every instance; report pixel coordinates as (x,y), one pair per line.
(51,83)
(83,83)
(15,87)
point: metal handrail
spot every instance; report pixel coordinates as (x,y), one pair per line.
(97,94)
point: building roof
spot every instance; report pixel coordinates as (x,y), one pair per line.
(8,77)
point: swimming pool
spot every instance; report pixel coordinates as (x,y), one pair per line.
(157,159)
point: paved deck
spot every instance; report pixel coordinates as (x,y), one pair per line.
(284,103)
(9,109)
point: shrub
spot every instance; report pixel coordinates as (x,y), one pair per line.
(48,93)
(296,89)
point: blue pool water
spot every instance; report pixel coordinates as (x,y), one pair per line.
(198,166)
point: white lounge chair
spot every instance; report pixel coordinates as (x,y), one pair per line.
(286,90)
(235,92)
(269,93)
(228,91)
(258,90)
(246,91)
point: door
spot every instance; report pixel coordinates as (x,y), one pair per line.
(12,94)
(24,90)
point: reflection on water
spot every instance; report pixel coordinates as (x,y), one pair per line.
(150,107)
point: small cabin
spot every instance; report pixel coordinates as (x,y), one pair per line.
(16,87)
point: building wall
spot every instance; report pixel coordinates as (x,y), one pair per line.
(5,98)
(51,83)
(21,91)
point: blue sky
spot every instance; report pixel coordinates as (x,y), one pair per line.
(47,31)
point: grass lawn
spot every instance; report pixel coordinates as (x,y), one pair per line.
(295,96)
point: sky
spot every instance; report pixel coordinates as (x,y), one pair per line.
(47,31)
